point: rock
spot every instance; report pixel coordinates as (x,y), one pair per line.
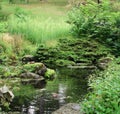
(35,68)
(37,83)
(35,74)
(105,60)
(42,71)
(70,108)
(28,58)
(30,75)
(33,79)
(5,95)
(103,63)
(14,112)
(82,67)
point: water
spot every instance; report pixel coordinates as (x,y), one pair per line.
(69,86)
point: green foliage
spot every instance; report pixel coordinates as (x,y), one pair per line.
(10,71)
(71,51)
(105,95)
(20,94)
(18,1)
(21,14)
(3,27)
(49,74)
(35,29)
(3,16)
(97,21)
(33,67)
(5,47)
(0,6)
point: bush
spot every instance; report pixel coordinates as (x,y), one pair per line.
(97,21)
(105,97)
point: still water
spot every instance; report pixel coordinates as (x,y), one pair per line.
(70,85)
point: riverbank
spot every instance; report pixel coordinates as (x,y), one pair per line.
(104,97)
(36,37)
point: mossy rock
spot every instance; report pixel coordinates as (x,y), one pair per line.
(71,51)
(33,67)
(50,74)
(62,63)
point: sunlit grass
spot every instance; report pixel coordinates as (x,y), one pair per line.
(47,22)
(39,31)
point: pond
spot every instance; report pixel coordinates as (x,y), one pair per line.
(70,85)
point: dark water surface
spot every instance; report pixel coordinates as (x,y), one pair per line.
(70,85)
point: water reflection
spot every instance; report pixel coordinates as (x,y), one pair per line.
(62,90)
(62,94)
(31,110)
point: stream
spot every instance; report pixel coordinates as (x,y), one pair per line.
(69,86)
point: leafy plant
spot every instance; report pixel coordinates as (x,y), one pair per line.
(105,95)
(97,21)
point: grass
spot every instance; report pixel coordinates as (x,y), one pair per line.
(37,31)
(46,21)
(13,45)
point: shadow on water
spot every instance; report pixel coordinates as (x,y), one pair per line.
(70,85)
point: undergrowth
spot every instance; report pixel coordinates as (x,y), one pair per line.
(105,95)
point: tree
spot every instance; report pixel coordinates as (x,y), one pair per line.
(99,1)
(10,1)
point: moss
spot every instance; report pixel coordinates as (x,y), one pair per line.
(32,67)
(61,62)
(50,74)
(71,51)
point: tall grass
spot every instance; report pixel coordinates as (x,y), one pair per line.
(14,45)
(38,31)
(38,27)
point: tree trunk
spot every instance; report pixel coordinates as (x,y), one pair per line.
(99,1)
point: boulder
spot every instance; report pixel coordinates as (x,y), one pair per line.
(29,75)
(103,63)
(37,83)
(33,79)
(38,68)
(70,108)
(27,58)
(35,74)
(6,96)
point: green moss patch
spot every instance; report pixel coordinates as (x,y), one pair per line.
(71,52)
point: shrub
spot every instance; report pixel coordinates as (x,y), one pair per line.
(105,95)
(97,21)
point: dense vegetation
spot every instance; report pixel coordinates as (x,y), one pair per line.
(90,35)
(72,52)
(105,95)
(98,21)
